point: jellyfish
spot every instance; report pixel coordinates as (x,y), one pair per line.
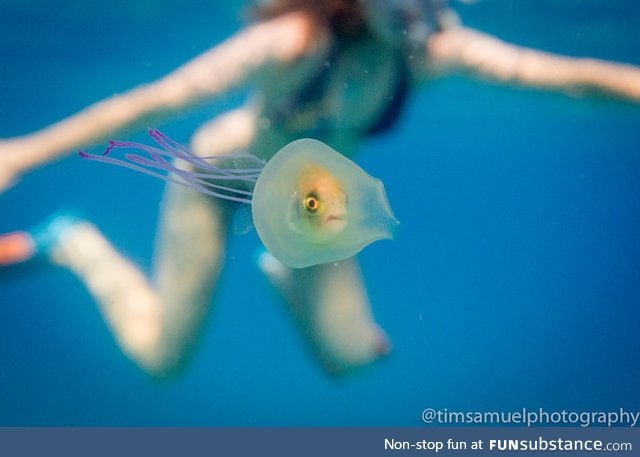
(309,204)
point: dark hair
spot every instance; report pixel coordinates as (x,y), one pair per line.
(343,17)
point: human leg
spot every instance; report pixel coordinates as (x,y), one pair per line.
(330,306)
(156,322)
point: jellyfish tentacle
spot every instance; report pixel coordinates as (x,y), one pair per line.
(205,183)
(183,177)
(136,158)
(174,149)
(190,176)
(177,150)
(206,177)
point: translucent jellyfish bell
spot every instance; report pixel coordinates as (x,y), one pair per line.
(310,204)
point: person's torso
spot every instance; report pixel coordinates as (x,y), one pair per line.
(338,94)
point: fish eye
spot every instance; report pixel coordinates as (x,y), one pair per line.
(311,203)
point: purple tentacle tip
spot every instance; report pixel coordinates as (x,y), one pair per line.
(207,178)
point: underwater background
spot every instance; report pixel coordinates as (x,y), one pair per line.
(514,280)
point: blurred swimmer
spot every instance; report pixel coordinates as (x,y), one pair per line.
(334,70)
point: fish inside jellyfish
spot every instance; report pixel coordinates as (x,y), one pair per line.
(309,204)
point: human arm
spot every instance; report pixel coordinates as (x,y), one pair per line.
(228,65)
(464,50)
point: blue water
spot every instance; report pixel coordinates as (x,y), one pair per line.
(514,281)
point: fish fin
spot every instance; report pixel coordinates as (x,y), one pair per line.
(242,220)
(244,160)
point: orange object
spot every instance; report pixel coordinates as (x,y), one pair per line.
(16,247)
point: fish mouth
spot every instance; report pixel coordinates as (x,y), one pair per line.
(335,217)
(335,223)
